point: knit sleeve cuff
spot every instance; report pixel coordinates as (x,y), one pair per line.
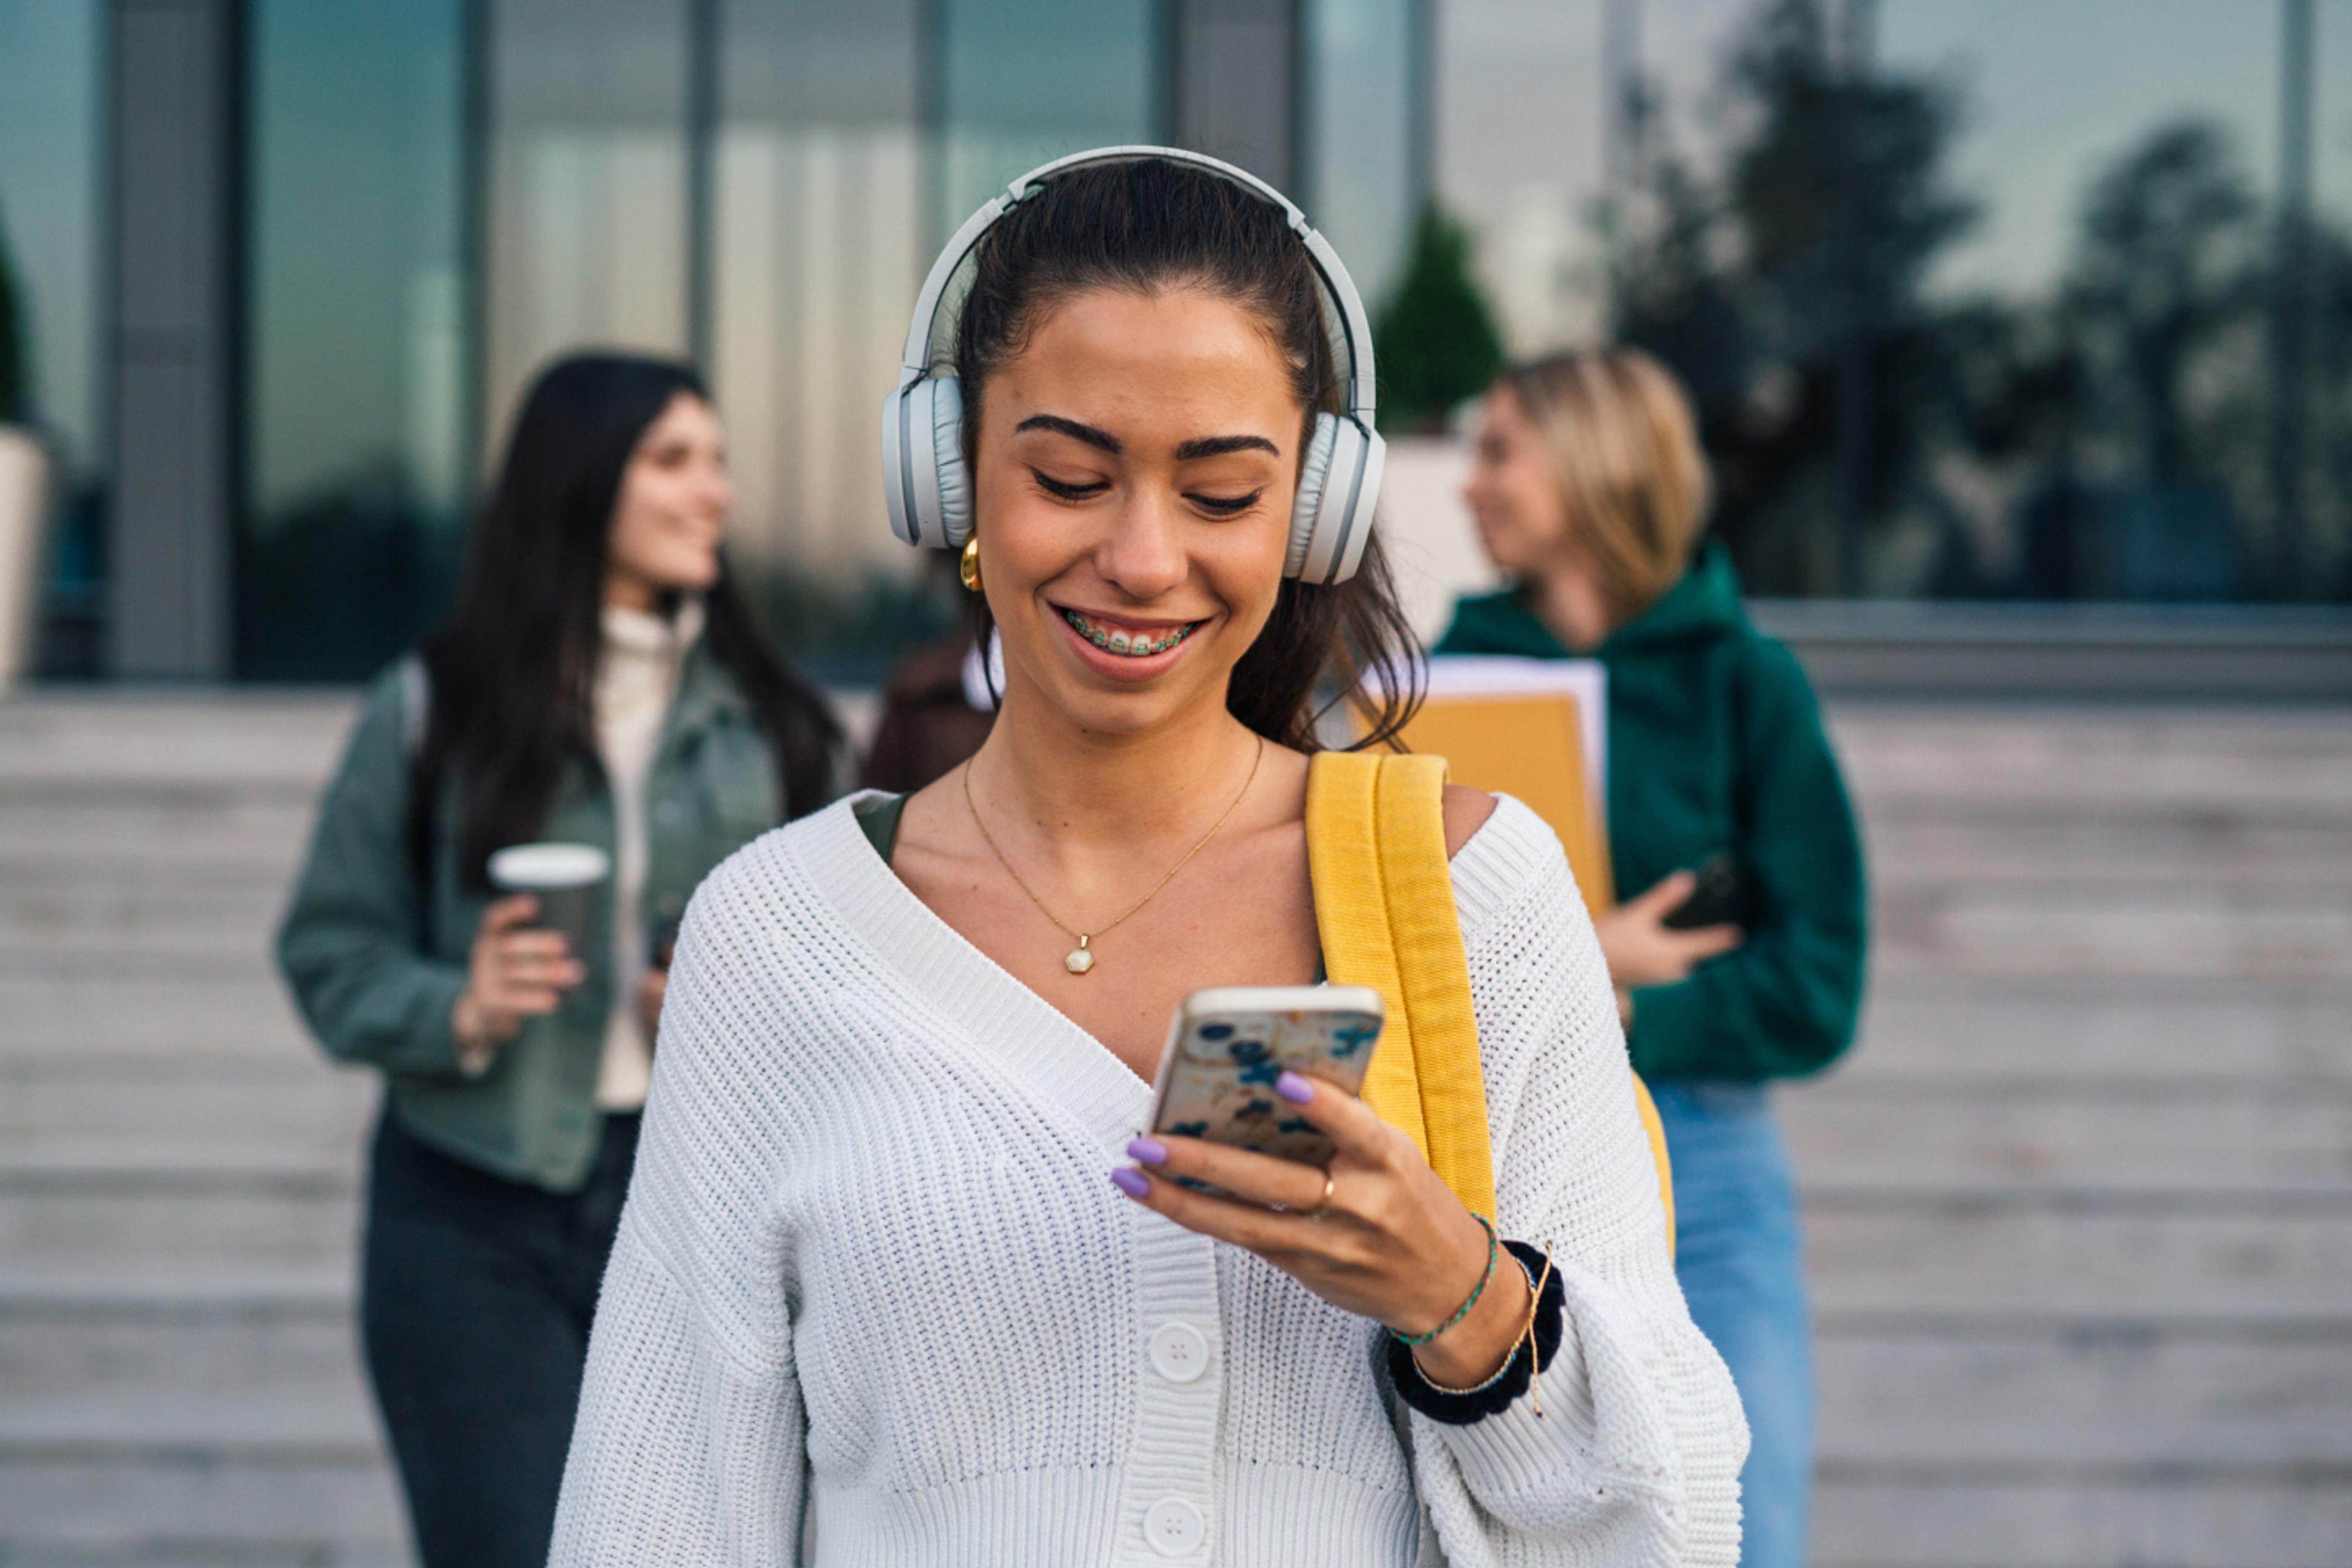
(1461,1409)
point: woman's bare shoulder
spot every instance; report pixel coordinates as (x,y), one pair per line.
(1466,811)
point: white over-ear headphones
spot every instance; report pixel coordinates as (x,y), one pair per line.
(923,420)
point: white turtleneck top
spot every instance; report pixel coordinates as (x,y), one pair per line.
(635,683)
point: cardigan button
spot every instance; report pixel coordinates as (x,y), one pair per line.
(1179,1354)
(1175,1528)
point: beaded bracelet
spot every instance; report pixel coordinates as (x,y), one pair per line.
(1526,1337)
(1493,1248)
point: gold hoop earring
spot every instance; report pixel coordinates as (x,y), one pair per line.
(969,567)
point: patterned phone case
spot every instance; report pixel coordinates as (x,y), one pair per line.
(1218,1083)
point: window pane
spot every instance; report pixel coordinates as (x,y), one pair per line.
(817,251)
(1361,77)
(587,185)
(1031,81)
(51,68)
(357,460)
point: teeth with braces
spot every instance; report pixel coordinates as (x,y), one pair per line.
(1123,643)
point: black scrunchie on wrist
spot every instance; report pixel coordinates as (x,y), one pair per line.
(1462,1409)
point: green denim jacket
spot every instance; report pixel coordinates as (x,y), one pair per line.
(376,962)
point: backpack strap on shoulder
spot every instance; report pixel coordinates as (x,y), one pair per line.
(1384,907)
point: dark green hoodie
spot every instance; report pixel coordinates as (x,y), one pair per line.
(1714,742)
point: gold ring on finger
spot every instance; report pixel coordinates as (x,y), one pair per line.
(1322,1210)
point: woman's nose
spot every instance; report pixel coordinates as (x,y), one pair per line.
(1144,556)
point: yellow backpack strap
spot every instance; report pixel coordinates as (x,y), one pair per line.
(1384,905)
(1657,1134)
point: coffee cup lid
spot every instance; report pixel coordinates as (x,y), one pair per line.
(523,868)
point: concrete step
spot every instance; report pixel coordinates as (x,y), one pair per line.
(2104,1029)
(102,1334)
(245,1095)
(1931,843)
(2296,762)
(96,1009)
(54,906)
(182,1477)
(90,1205)
(2123,1398)
(2064,1262)
(246,737)
(1851,1134)
(2065,1516)
(121,828)
(1998,929)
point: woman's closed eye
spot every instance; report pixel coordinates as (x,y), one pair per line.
(1224,506)
(1066,489)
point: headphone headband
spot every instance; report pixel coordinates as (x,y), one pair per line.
(922,332)
(924,479)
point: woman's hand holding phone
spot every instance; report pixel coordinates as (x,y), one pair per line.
(1640,949)
(1392,1242)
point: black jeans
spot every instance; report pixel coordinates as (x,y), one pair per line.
(475,1295)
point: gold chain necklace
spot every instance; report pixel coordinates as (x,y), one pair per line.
(1081,958)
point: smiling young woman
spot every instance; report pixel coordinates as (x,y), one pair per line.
(599,683)
(875,1301)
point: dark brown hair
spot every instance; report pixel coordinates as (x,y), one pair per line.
(514,667)
(1147,225)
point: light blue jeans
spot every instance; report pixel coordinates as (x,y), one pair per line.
(1739,1252)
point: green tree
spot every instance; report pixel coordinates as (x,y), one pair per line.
(2169,259)
(1436,340)
(1763,286)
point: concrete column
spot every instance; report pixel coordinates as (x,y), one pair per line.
(1235,83)
(172,114)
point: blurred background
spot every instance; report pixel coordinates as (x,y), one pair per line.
(2021,333)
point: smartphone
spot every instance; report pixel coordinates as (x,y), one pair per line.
(1721,897)
(1227,1044)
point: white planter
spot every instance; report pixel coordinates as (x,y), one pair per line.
(23,520)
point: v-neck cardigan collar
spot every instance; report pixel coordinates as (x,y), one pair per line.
(1033,1038)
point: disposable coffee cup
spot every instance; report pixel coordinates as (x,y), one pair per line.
(564,878)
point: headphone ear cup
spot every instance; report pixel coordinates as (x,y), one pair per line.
(1338,490)
(1314,474)
(953,484)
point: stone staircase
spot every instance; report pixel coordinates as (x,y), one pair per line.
(2080,1208)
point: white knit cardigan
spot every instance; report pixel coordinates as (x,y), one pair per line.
(876,1302)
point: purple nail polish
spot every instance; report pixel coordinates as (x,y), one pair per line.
(1294,1089)
(1147,1151)
(1131,1183)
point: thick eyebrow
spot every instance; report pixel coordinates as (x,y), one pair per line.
(1073,429)
(1218,446)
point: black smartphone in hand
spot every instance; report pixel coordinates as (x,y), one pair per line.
(1721,898)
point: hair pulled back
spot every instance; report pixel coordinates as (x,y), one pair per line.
(1146,226)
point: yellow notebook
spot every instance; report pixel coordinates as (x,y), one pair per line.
(1529,746)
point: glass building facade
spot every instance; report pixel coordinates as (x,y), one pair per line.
(1982,300)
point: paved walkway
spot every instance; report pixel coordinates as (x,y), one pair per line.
(2081,1207)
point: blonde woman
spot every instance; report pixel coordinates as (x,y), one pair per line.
(1590,491)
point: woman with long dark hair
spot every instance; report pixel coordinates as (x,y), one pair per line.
(598,684)
(898,1276)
